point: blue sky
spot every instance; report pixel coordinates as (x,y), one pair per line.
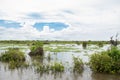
(59,19)
(53,25)
(9,24)
(39,26)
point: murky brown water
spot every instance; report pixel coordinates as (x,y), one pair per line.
(64,57)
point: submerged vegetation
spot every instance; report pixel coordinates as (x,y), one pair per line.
(78,65)
(57,67)
(43,68)
(14,57)
(107,61)
(13,54)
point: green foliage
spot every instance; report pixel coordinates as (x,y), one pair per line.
(107,61)
(14,57)
(114,52)
(100,44)
(42,68)
(78,65)
(13,65)
(36,45)
(12,54)
(84,45)
(57,67)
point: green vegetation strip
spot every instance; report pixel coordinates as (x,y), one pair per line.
(62,48)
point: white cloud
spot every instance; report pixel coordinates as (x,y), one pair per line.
(88,19)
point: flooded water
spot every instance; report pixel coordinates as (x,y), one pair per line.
(64,57)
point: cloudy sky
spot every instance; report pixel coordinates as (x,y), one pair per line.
(59,19)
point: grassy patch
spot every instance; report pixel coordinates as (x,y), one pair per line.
(59,48)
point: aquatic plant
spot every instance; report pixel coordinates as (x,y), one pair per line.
(43,68)
(36,49)
(13,65)
(100,44)
(12,55)
(106,62)
(78,65)
(57,67)
(84,45)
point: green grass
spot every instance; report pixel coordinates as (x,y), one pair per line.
(57,67)
(62,48)
(43,68)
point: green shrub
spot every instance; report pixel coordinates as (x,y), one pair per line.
(106,62)
(36,45)
(84,45)
(100,44)
(12,55)
(78,65)
(114,52)
(36,49)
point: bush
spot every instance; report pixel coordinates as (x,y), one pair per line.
(37,49)
(12,55)
(84,45)
(35,46)
(100,44)
(78,65)
(106,62)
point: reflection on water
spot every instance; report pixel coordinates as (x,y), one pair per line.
(64,57)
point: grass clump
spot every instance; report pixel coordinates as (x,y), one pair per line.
(43,68)
(14,57)
(37,49)
(84,45)
(78,65)
(57,67)
(12,54)
(36,45)
(100,44)
(106,62)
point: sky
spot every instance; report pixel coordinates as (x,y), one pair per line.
(59,19)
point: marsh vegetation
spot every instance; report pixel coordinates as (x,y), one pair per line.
(59,60)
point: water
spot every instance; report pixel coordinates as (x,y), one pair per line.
(65,57)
